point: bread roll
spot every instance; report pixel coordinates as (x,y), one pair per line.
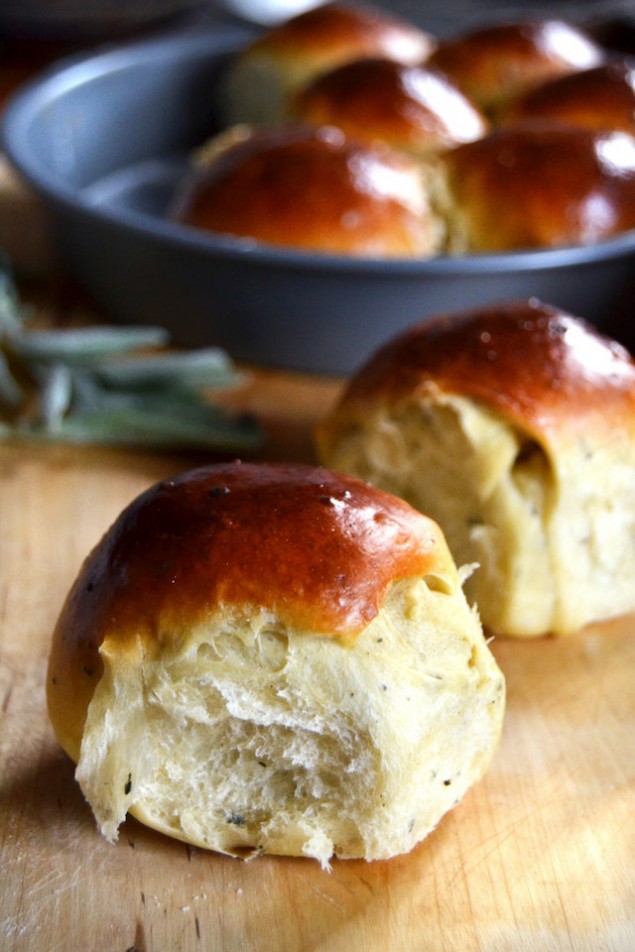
(274,658)
(493,64)
(538,185)
(512,425)
(410,108)
(600,98)
(262,77)
(313,189)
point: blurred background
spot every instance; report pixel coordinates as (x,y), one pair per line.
(70,20)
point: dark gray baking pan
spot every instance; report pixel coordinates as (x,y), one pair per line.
(104,140)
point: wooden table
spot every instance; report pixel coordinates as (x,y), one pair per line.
(539,856)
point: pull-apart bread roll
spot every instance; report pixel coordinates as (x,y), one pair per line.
(316,190)
(409,107)
(600,98)
(513,426)
(494,64)
(270,70)
(274,658)
(538,184)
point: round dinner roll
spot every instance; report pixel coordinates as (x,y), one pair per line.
(272,658)
(409,107)
(315,190)
(538,185)
(512,425)
(599,98)
(495,63)
(263,77)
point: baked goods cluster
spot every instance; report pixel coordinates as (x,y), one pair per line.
(347,130)
(292,659)
(286,659)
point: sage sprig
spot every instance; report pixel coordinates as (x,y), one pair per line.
(115,386)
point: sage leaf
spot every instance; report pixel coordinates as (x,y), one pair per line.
(84,346)
(209,367)
(55,395)
(10,391)
(137,428)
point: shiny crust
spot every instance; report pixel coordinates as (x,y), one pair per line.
(313,189)
(534,363)
(496,63)
(600,98)
(541,184)
(338,32)
(318,549)
(409,107)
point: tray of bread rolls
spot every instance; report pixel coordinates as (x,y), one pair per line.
(299,194)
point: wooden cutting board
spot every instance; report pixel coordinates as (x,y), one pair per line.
(539,856)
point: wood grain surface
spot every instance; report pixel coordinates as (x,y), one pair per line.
(539,856)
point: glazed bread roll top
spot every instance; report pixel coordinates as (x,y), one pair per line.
(287,57)
(409,107)
(513,425)
(316,190)
(494,64)
(318,550)
(544,368)
(274,658)
(539,184)
(599,98)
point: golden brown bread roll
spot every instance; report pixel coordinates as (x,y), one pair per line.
(262,78)
(492,64)
(409,107)
(512,425)
(314,189)
(537,185)
(273,658)
(599,98)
